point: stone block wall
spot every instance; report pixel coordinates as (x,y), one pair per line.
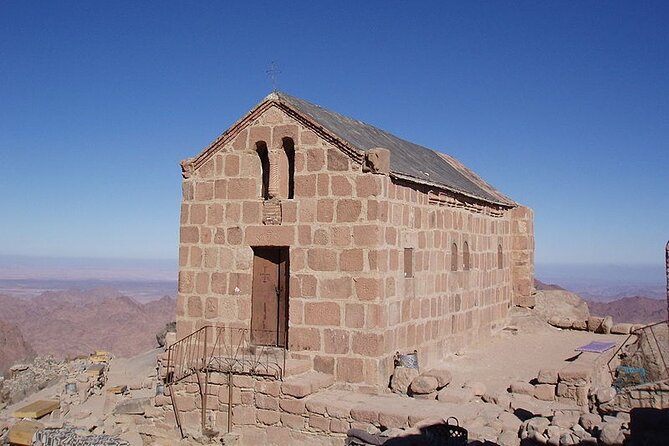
(522,258)
(350,305)
(257,402)
(436,309)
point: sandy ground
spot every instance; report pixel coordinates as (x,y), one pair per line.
(518,355)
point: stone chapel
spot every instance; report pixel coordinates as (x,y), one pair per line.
(343,244)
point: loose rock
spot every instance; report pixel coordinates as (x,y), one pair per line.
(423,385)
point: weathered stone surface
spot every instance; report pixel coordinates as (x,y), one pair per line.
(402,378)
(423,385)
(502,399)
(594,323)
(575,376)
(621,328)
(477,387)
(607,323)
(507,438)
(522,387)
(560,322)
(544,392)
(509,421)
(569,439)
(135,406)
(561,304)
(547,376)
(579,325)
(565,420)
(590,421)
(611,435)
(554,434)
(456,396)
(537,424)
(606,394)
(443,376)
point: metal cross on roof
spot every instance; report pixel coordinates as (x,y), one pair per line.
(273,73)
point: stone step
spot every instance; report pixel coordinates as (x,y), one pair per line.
(296,367)
(305,384)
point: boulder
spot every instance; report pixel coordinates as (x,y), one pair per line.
(544,392)
(507,438)
(547,376)
(580,325)
(477,387)
(423,385)
(590,422)
(594,322)
(565,420)
(536,424)
(402,378)
(443,376)
(502,399)
(621,328)
(605,394)
(605,327)
(509,421)
(522,388)
(611,435)
(455,396)
(569,439)
(560,304)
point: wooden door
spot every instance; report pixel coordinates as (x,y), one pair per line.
(269,298)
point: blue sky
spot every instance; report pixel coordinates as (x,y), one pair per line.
(564,106)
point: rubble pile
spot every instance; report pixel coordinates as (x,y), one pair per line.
(26,379)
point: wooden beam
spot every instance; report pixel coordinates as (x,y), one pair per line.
(21,434)
(37,409)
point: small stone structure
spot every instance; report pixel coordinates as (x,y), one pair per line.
(344,244)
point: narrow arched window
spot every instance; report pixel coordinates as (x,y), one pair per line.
(500,257)
(263,154)
(289,149)
(466,260)
(454,257)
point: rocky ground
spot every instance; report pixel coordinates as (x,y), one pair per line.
(526,386)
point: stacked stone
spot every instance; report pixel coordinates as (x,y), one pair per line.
(594,324)
(571,385)
(573,428)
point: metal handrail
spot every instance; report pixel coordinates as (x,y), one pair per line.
(229,350)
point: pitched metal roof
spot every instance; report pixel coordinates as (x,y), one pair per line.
(407,159)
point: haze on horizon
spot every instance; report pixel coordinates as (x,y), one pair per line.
(563,107)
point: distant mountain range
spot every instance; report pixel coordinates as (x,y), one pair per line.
(633,309)
(74,322)
(629,308)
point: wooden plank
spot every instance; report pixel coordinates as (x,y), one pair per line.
(21,434)
(37,409)
(100,356)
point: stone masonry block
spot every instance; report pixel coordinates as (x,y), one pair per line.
(544,392)
(348,210)
(270,235)
(365,414)
(322,313)
(296,407)
(302,339)
(547,376)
